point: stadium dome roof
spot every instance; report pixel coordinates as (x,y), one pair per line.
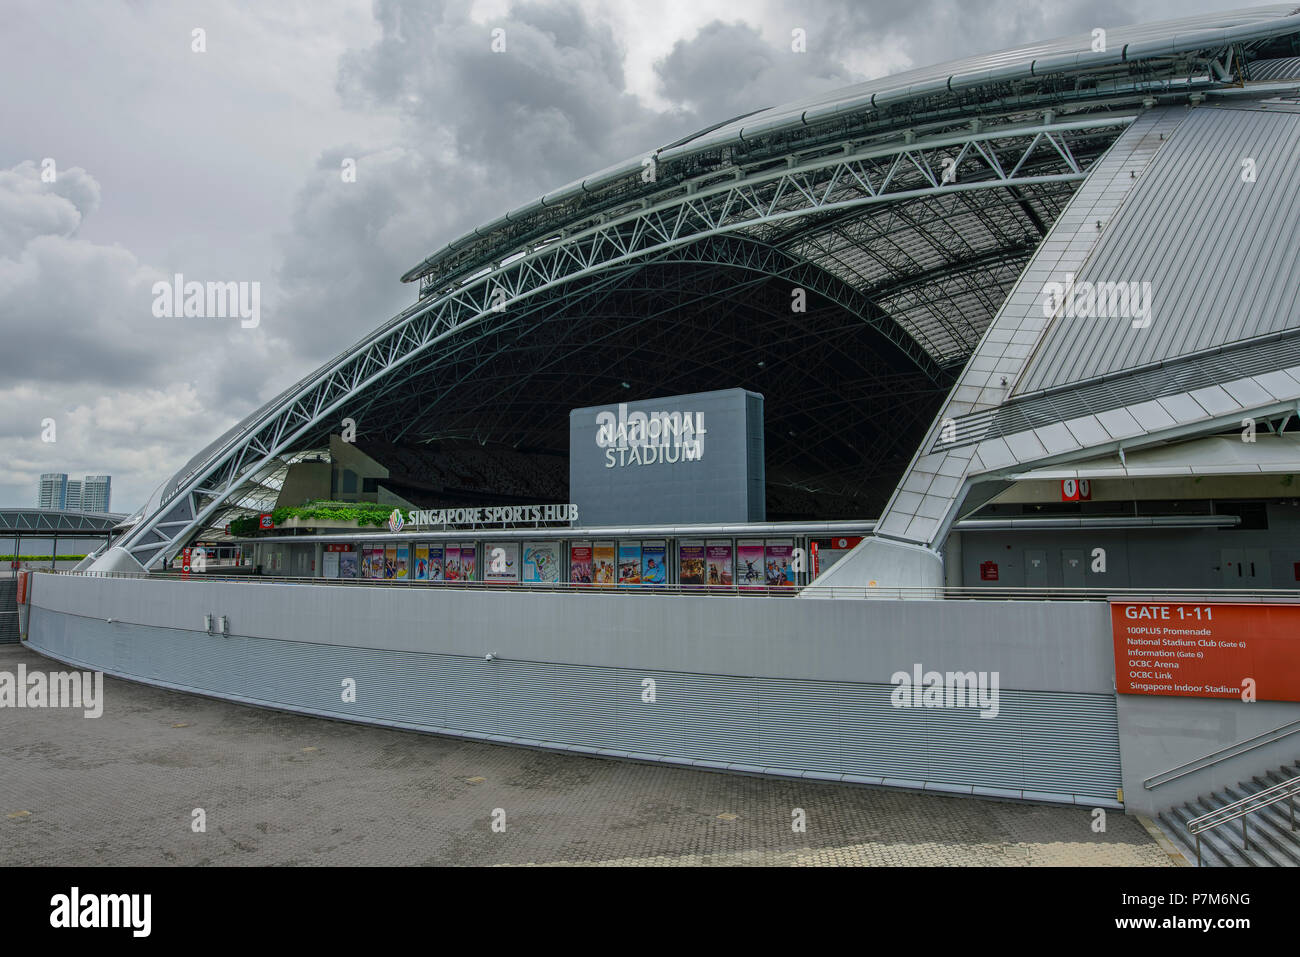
(905,209)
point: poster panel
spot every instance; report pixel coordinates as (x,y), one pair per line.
(654,563)
(542,562)
(330,566)
(719,559)
(603,563)
(1207,649)
(435,563)
(780,564)
(452,564)
(347,565)
(420,563)
(375,562)
(691,562)
(629,563)
(468,563)
(403,562)
(389,568)
(580,563)
(501,562)
(749,563)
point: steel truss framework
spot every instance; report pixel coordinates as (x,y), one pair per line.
(38,520)
(761,205)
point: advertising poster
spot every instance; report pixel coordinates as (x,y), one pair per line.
(542,562)
(390,561)
(451,571)
(580,564)
(403,562)
(376,562)
(348,565)
(654,563)
(501,562)
(719,558)
(602,563)
(629,563)
(780,564)
(468,562)
(420,569)
(691,562)
(331,565)
(435,563)
(749,563)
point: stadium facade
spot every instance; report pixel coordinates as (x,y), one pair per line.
(1051,290)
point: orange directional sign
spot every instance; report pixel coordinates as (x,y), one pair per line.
(1207,650)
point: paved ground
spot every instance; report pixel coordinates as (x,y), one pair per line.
(285,789)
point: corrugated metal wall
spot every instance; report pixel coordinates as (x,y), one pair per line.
(1042,745)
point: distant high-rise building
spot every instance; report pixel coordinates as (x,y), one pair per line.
(72,497)
(53,492)
(96,493)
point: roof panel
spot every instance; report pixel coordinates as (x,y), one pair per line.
(1217,264)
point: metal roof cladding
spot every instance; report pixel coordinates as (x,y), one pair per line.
(1222,260)
(1060,56)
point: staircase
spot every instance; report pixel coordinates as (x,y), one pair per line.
(1271,841)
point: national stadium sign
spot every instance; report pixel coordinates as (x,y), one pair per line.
(644,438)
(648,465)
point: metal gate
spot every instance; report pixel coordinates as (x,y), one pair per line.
(8,610)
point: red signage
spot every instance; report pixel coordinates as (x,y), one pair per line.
(1076,490)
(988,571)
(22,587)
(264,521)
(1215,650)
(338,548)
(185,562)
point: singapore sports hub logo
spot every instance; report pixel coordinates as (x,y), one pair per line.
(395,521)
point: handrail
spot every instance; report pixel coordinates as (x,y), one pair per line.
(1287,790)
(933,593)
(1221,754)
(1290,596)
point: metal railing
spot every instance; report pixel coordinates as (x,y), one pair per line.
(1286,791)
(1222,754)
(934,593)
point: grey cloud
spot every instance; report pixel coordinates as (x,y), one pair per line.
(30,207)
(934,31)
(728,69)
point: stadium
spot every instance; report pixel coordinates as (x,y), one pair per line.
(982,359)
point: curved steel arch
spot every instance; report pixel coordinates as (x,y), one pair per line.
(903,171)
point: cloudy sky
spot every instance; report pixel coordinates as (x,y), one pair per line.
(226,165)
